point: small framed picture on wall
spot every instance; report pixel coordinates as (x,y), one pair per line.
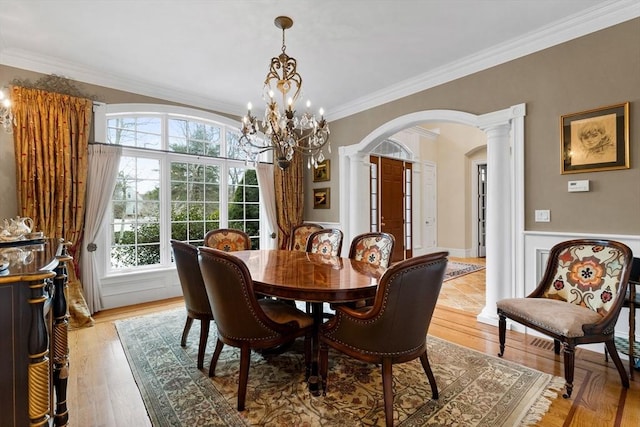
(322,172)
(321,198)
(595,140)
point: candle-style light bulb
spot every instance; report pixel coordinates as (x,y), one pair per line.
(308,104)
(249,106)
(321,113)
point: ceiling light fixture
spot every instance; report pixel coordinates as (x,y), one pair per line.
(284,131)
(6,115)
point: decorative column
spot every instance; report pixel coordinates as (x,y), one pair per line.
(60,341)
(38,348)
(499,265)
(359,194)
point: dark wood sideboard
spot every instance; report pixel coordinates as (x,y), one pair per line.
(34,351)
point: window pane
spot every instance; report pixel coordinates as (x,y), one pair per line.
(136,211)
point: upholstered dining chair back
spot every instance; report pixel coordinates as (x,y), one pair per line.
(394,329)
(227,239)
(194,292)
(375,248)
(299,235)
(577,301)
(244,321)
(327,241)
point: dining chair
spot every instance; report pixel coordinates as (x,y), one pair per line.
(244,321)
(299,235)
(227,239)
(394,329)
(195,295)
(375,248)
(577,301)
(327,241)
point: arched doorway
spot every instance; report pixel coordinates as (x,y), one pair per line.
(505,222)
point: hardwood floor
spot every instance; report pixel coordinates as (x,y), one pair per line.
(102,391)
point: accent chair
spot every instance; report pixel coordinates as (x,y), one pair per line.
(577,301)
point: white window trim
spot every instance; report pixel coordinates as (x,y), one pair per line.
(156,282)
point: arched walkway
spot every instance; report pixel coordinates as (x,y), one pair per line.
(505,189)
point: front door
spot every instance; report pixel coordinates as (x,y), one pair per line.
(392,204)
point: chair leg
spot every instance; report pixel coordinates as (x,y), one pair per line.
(214,358)
(204,334)
(556,346)
(427,369)
(569,366)
(185,331)
(387,390)
(502,331)
(323,355)
(245,358)
(308,340)
(611,346)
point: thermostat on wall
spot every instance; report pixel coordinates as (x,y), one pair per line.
(577,186)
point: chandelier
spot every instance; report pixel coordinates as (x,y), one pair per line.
(6,115)
(284,131)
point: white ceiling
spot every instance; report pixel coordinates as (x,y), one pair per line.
(352,54)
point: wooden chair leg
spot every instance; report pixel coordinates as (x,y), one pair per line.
(214,358)
(502,331)
(569,366)
(308,341)
(387,390)
(323,355)
(204,334)
(245,358)
(613,352)
(185,331)
(427,369)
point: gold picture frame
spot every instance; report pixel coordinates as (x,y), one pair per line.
(595,140)
(322,172)
(321,198)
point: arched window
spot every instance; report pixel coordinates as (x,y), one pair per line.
(181,174)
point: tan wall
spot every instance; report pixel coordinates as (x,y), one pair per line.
(454,182)
(599,69)
(596,70)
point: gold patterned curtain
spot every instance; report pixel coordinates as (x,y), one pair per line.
(289,198)
(51,136)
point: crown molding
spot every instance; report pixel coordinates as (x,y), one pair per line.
(48,65)
(592,20)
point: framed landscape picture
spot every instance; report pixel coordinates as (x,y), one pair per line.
(321,198)
(322,172)
(595,140)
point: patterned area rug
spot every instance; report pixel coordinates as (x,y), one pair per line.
(457,269)
(475,389)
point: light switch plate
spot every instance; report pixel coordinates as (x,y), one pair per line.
(543,215)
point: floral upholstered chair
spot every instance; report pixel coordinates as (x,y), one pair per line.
(327,241)
(374,248)
(300,234)
(227,239)
(577,301)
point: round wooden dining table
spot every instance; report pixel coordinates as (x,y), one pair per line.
(314,278)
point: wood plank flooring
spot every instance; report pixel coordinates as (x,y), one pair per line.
(102,391)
